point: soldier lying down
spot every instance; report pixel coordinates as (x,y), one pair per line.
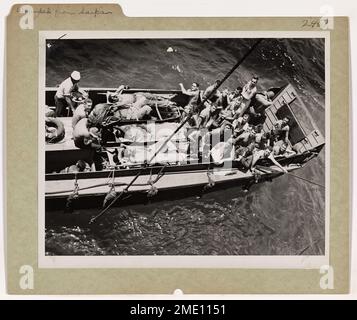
(129,106)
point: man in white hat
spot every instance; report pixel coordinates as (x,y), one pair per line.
(63,94)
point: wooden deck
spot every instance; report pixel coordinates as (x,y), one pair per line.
(299,138)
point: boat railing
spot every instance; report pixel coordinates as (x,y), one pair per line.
(130,90)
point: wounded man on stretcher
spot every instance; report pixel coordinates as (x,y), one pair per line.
(157,153)
(127,106)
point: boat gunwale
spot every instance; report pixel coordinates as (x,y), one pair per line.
(170,168)
(64,194)
(130,90)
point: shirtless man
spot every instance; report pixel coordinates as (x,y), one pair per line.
(282,149)
(248,92)
(194,94)
(245,139)
(227,113)
(236,101)
(138,105)
(120,98)
(85,136)
(259,103)
(241,124)
(82,111)
(235,94)
(137,111)
(222,100)
(207,93)
(262,141)
(281,130)
(251,161)
(207,115)
(265,154)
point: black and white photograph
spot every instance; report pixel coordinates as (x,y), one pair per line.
(194,145)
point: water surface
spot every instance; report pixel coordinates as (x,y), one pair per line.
(284,217)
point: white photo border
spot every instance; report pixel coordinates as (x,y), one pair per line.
(241,262)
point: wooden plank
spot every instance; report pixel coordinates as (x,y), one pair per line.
(269,118)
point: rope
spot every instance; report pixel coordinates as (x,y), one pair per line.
(76,186)
(188,117)
(111,177)
(118,184)
(153,190)
(73,196)
(211,183)
(96,186)
(124,191)
(160,174)
(111,193)
(307,180)
(291,174)
(308,246)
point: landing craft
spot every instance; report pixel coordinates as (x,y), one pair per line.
(164,178)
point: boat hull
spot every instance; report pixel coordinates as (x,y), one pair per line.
(177,179)
(85,201)
(169,185)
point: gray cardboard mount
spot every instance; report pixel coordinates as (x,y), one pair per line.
(22,72)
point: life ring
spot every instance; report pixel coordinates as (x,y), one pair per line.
(56,125)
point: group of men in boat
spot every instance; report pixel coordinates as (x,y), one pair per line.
(234,124)
(226,105)
(87,119)
(224,125)
(124,106)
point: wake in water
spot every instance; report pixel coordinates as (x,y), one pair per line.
(285,217)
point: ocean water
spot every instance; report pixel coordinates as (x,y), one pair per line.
(283,217)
